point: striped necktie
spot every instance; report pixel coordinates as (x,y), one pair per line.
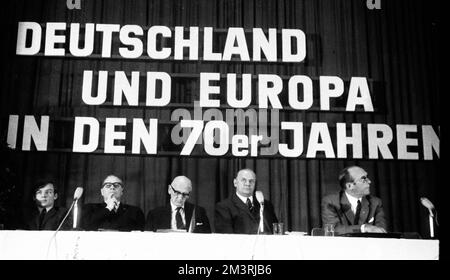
(179,219)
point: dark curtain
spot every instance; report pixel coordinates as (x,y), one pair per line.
(396,48)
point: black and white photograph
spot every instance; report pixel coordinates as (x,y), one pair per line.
(221,130)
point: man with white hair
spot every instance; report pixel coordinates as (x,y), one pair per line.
(240,213)
(179,214)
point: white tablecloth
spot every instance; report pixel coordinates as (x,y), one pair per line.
(150,246)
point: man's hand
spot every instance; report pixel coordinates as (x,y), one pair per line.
(372,228)
(111,202)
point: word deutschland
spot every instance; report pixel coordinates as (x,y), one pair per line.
(130,41)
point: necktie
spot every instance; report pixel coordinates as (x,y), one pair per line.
(250,205)
(358,211)
(41,218)
(180,224)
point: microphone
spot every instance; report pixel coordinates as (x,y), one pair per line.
(260,197)
(77,194)
(427,203)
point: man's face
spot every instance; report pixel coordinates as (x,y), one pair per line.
(245,183)
(361,183)
(46,196)
(179,192)
(112,187)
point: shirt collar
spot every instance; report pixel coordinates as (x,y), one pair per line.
(244,199)
(174,207)
(47,209)
(353,200)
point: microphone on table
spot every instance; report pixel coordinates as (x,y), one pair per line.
(78,193)
(260,197)
(192,223)
(427,204)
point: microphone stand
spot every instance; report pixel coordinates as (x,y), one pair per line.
(77,195)
(261,219)
(192,223)
(427,204)
(67,214)
(260,198)
(57,230)
(431,221)
(75,215)
(260,227)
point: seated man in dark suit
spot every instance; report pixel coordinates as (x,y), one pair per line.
(353,209)
(45,215)
(240,213)
(112,214)
(179,214)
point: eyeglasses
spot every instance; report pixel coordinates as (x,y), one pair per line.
(178,193)
(112,185)
(364,179)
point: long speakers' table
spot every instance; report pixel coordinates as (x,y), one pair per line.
(149,245)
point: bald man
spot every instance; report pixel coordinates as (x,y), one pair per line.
(179,214)
(240,213)
(112,214)
(353,209)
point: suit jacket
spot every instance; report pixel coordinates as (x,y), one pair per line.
(233,216)
(51,221)
(96,216)
(336,209)
(160,218)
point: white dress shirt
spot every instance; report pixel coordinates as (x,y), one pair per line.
(354,204)
(244,199)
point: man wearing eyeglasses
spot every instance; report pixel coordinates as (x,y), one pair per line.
(112,214)
(353,209)
(241,213)
(179,214)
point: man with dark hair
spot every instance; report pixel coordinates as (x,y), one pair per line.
(240,213)
(45,215)
(179,214)
(353,209)
(112,214)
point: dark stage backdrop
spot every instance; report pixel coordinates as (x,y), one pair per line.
(395,47)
